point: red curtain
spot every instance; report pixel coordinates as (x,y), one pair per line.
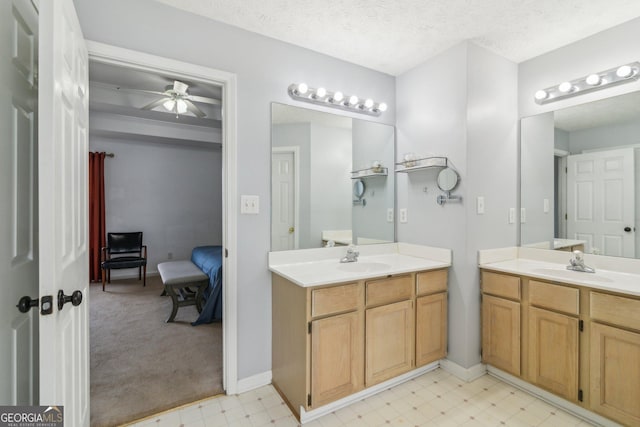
(97,238)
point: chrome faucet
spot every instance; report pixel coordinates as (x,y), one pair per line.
(351,256)
(577,263)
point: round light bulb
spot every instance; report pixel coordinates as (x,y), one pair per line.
(593,80)
(181,106)
(302,88)
(353,100)
(382,107)
(624,71)
(541,94)
(368,103)
(565,87)
(169,104)
(338,96)
(321,92)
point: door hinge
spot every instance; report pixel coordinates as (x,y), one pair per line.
(309,399)
(581,325)
(580,395)
(309,327)
(226,253)
(566,216)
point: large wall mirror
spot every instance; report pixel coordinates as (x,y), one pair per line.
(332,180)
(580,178)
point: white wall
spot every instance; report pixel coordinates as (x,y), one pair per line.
(612,136)
(172,194)
(265,68)
(460,104)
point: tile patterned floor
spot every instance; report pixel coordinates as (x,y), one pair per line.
(433,399)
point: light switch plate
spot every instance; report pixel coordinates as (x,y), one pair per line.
(545,205)
(512,215)
(390,215)
(480,205)
(403,215)
(249,204)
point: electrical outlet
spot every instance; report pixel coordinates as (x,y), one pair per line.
(545,205)
(512,215)
(403,215)
(480,205)
(249,204)
(390,215)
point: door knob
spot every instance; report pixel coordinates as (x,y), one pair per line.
(291,230)
(627,229)
(25,304)
(75,298)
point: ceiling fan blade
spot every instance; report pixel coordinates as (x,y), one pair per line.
(154,104)
(193,109)
(205,100)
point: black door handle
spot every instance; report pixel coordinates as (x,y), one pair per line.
(25,304)
(627,229)
(75,298)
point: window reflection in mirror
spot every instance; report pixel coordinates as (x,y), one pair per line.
(580,178)
(312,194)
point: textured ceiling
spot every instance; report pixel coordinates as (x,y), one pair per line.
(394,36)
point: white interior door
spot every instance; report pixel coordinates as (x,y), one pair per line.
(63,193)
(601,201)
(283,200)
(18,208)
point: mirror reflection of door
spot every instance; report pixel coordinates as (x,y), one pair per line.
(283,199)
(601,201)
(18,210)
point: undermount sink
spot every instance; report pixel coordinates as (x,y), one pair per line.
(569,274)
(363,267)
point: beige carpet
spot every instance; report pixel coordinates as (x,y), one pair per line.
(141,365)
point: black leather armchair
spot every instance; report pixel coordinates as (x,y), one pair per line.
(124,250)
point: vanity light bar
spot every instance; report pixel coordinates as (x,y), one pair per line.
(622,74)
(322,96)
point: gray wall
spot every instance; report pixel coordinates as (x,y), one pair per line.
(612,136)
(460,104)
(176,202)
(265,68)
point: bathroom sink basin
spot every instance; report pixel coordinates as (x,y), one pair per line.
(574,275)
(363,267)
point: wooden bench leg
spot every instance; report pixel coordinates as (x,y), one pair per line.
(174,299)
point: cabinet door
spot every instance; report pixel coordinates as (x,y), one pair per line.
(501,333)
(615,373)
(431,328)
(553,352)
(337,354)
(389,341)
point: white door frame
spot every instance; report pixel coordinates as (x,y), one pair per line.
(295,150)
(142,61)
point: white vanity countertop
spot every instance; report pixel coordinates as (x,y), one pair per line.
(314,267)
(612,274)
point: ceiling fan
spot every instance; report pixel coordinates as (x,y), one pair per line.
(177,100)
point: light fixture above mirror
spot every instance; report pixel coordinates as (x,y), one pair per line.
(596,81)
(336,99)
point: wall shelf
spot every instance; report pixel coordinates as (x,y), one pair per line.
(420,164)
(369,172)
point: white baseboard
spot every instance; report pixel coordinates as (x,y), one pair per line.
(305,416)
(552,399)
(253,382)
(465,374)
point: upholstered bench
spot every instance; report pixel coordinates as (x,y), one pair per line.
(177,277)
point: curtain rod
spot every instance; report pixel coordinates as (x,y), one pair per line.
(109,155)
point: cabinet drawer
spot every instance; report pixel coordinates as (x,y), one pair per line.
(619,311)
(389,290)
(501,285)
(336,299)
(554,297)
(431,282)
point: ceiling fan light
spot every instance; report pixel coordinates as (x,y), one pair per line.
(181,106)
(169,104)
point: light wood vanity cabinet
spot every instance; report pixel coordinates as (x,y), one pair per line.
(578,343)
(332,341)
